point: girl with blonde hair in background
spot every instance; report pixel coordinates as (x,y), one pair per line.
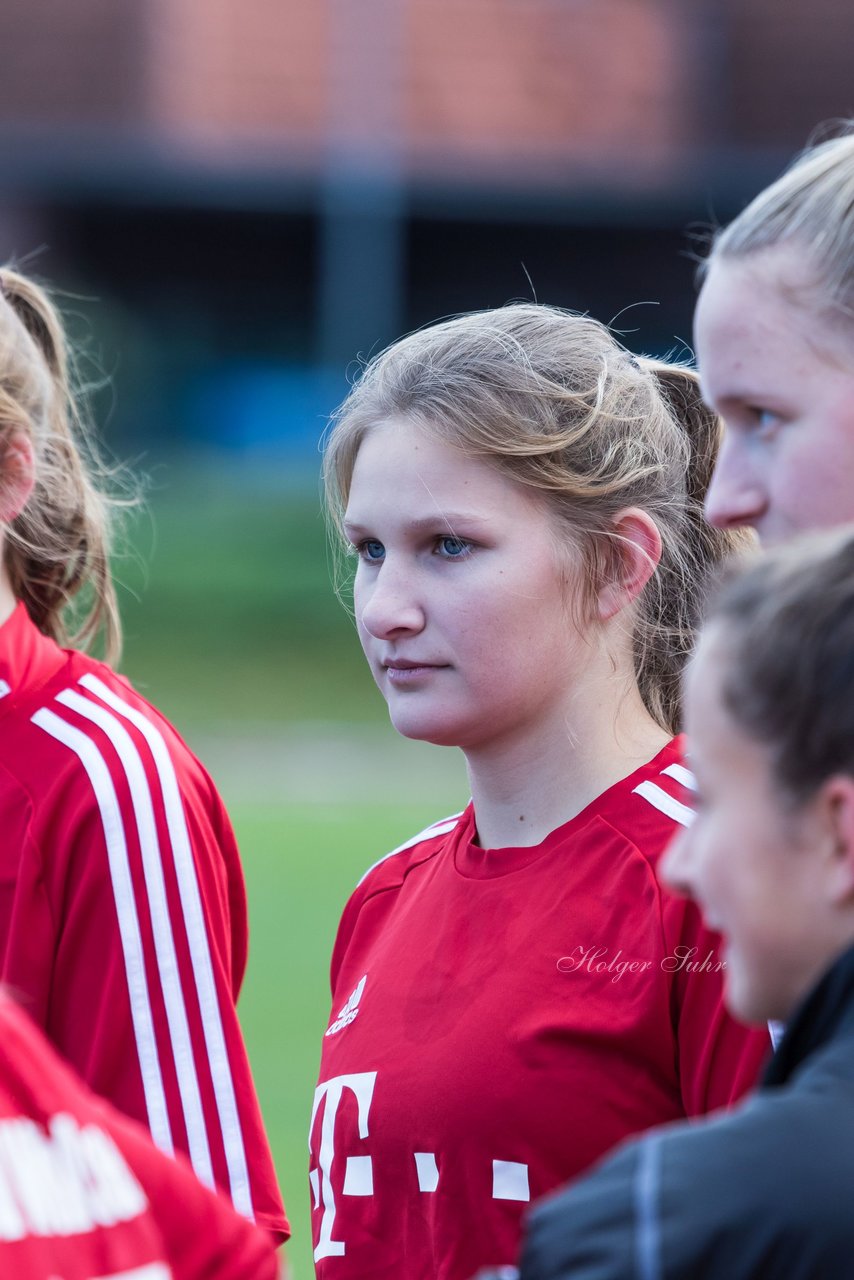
(123,925)
(513,992)
(773,333)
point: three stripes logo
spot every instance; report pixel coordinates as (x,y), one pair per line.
(350,1009)
(121,748)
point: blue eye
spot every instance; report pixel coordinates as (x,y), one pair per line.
(766,420)
(371,550)
(453,548)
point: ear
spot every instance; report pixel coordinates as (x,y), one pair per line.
(636,552)
(17,474)
(835,812)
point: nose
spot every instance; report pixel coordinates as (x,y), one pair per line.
(675,870)
(735,497)
(388,606)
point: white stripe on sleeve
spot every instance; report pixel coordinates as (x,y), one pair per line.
(665,803)
(140,1002)
(681,774)
(164,941)
(197,937)
(437,829)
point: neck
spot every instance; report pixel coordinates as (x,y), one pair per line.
(7,596)
(815,1015)
(530,784)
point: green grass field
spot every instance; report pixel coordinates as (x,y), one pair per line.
(232,628)
(228,606)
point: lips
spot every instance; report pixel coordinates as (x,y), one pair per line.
(403,671)
(406,664)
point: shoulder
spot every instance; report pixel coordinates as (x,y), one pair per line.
(92,755)
(391,869)
(726,1194)
(382,880)
(775,1173)
(97,726)
(655,802)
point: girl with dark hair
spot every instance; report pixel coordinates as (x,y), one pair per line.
(766,1189)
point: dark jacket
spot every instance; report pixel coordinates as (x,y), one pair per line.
(763,1191)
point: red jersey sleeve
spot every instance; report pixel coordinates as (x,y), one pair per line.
(138,865)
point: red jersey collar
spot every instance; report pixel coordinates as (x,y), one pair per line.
(28,658)
(477,863)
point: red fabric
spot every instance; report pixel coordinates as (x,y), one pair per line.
(84,1192)
(123,912)
(493,1025)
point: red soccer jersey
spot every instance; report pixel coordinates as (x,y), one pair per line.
(501,1019)
(123,910)
(85,1193)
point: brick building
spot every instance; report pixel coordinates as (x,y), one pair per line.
(309,177)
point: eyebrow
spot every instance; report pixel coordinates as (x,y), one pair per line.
(737,394)
(425,524)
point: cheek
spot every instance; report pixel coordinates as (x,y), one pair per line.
(364,583)
(478,615)
(821,503)
(822,454)
(361,598)
(718,870)
(708,878)
(749,888)
(365,637)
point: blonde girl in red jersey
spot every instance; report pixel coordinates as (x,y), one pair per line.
(513,992)
(122,903)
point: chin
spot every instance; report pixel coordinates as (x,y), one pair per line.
(749,1005)
(422,729)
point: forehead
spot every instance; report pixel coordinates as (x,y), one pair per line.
(400,463)
(764,305)
(742,293)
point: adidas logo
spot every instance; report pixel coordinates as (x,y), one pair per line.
(350,1009)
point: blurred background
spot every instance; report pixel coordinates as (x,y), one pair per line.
(239,198)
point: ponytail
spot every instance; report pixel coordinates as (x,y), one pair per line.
(692,553)
(57,549)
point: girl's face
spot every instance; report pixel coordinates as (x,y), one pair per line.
(782,378)
(463,596)
(751,862)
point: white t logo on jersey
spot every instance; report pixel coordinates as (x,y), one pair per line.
(362,1085)
(350,1009)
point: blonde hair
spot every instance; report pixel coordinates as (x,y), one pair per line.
(812,206)
(551,399)
(56,550)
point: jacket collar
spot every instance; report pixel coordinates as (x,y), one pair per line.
(28,658)
(823,1011)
